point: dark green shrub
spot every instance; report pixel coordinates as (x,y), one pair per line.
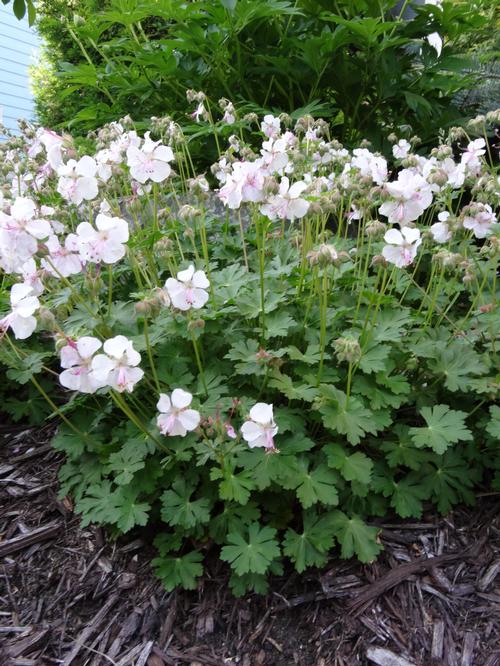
(353,62)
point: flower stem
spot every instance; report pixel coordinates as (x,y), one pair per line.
(198,362)
(150,355)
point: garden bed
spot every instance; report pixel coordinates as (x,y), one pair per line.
(73,596)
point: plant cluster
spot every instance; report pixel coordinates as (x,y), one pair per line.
(363,63)
(257,360)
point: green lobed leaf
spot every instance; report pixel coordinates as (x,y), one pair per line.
(445,427)
(251,552)
(353,467)
(182,570)
(355,537)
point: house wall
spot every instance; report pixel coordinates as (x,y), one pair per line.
(18,50)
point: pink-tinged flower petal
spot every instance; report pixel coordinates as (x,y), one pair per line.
(132,376)
(199,298)
(71,379)
(117,346)
(411,234)
(394,237)
(69,357)
(23,209)
(18,292)
(101,367)
(200,280)
(27,306)
(164,404)
(252,431)
(189,418)
(112,252)
(87,346)
(180,301)
(160,171)
(394,254)
(262,413)
(86,189)
(22,327)
(296,189)
(440,232)
(163,153)
(165,421)
(297,208)
(186,275)
(39,228)
(86,167)
(180,398)
(284,186)
(86,232)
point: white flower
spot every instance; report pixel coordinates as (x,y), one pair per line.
(22,219)
(245,183)
(23,305)
(106,243)
(199,112)
(440,230)
(274,155)
(189,290)
(402,246)
(76,357)
(63,259)
(271,126)
(175,418)
(77,180)
(260,429)
(30,276)
(401,149)
(229,115)
(411,194)
(150,162)
(471,157)
(287,203)
(481,221)
(15,249)
(117,366)
(369,164)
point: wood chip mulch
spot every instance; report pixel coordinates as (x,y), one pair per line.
(72,596)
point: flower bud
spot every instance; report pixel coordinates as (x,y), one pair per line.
(143,307)
(188,212)
(46,319)
(251,118)
(163,247)
(493,117)
(286,119)
(194,324)
(375,228)
(379,260)
(347,349)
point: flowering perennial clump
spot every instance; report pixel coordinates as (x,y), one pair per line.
(266,355)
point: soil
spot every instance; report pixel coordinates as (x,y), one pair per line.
(74,596)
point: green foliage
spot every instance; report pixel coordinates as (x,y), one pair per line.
(252,552)
(357,62)
(444,427)
(383,380)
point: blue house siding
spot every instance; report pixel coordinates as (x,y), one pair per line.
(18,49)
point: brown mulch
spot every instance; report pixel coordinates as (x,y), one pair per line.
(73,596)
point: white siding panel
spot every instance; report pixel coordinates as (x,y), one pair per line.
(18,50)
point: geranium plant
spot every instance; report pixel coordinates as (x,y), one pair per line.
(262,359)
